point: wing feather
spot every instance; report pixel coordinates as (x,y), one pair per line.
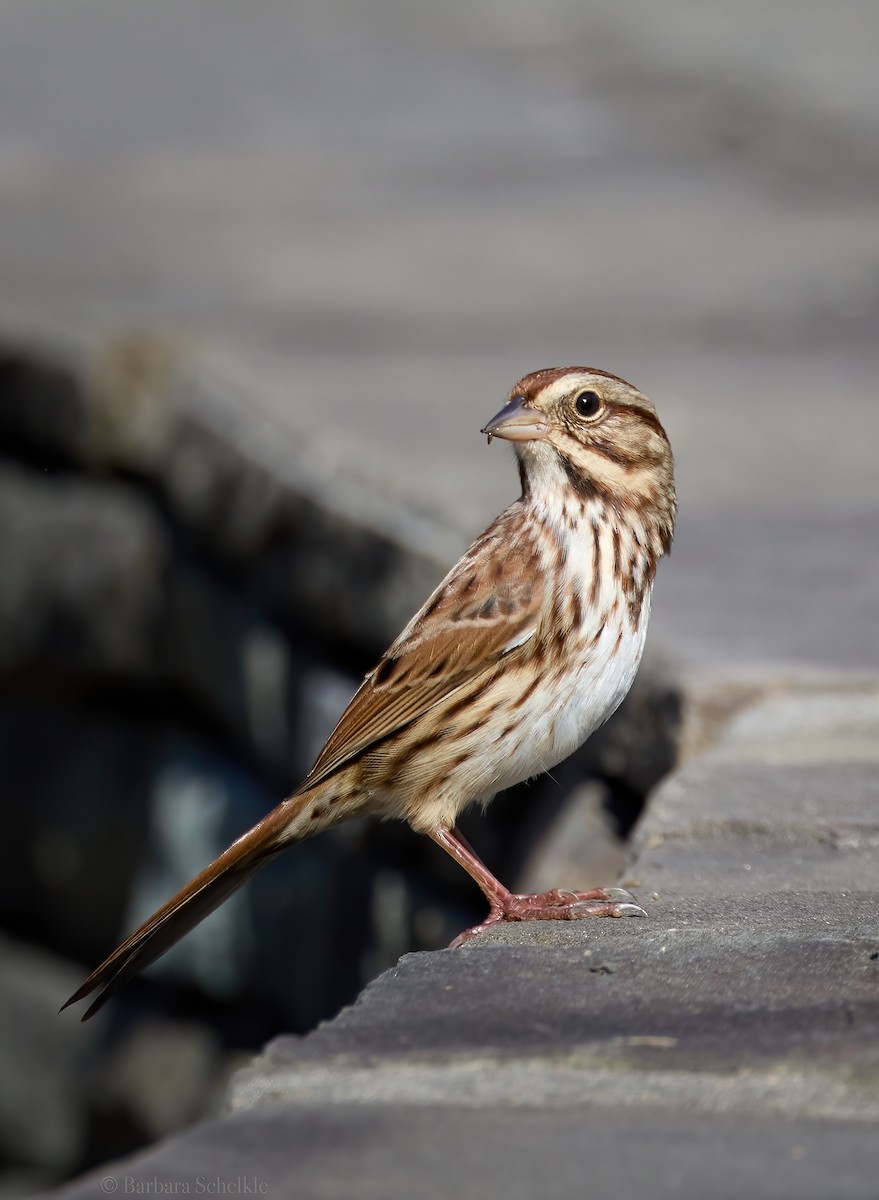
(468,624)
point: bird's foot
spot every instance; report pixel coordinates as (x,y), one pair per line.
(557,905)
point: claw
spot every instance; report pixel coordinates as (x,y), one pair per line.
(591,908)
(627,910)
(552,906)
(622,894)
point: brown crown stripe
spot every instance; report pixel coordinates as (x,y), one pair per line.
(529,385)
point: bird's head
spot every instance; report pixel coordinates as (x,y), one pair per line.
(580,429)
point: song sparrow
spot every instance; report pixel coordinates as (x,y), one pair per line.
(527,646)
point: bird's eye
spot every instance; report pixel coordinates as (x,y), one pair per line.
(587,404)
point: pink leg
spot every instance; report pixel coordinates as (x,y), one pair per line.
(556,905)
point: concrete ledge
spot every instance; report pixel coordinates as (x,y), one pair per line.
(365,1153)
(718,1045)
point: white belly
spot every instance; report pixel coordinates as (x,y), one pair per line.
(561,715)
(597,689)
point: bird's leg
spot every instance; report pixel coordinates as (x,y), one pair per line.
(555,905)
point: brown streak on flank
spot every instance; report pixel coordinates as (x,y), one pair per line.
(635,606)
(576,609)
(561,640)
(458,706)
(468,730)
(557,624)
(431,741)
(617,552)
(595,585)
(397,766)
(318,812)
(528,693)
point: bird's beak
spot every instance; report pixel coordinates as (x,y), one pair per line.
(516,422)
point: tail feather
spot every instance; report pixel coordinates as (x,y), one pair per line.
(191,904)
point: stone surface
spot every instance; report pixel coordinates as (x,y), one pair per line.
(815,801)
(728,1038)
(805,726)
(785,801)
(705,986)
(516,1152)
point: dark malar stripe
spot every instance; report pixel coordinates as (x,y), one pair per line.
(586,488)
(524,481)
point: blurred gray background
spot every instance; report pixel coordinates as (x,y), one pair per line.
(376,216)
(265,269)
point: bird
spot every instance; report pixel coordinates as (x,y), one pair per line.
(528,645)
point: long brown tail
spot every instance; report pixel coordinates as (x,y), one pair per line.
(192,903)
